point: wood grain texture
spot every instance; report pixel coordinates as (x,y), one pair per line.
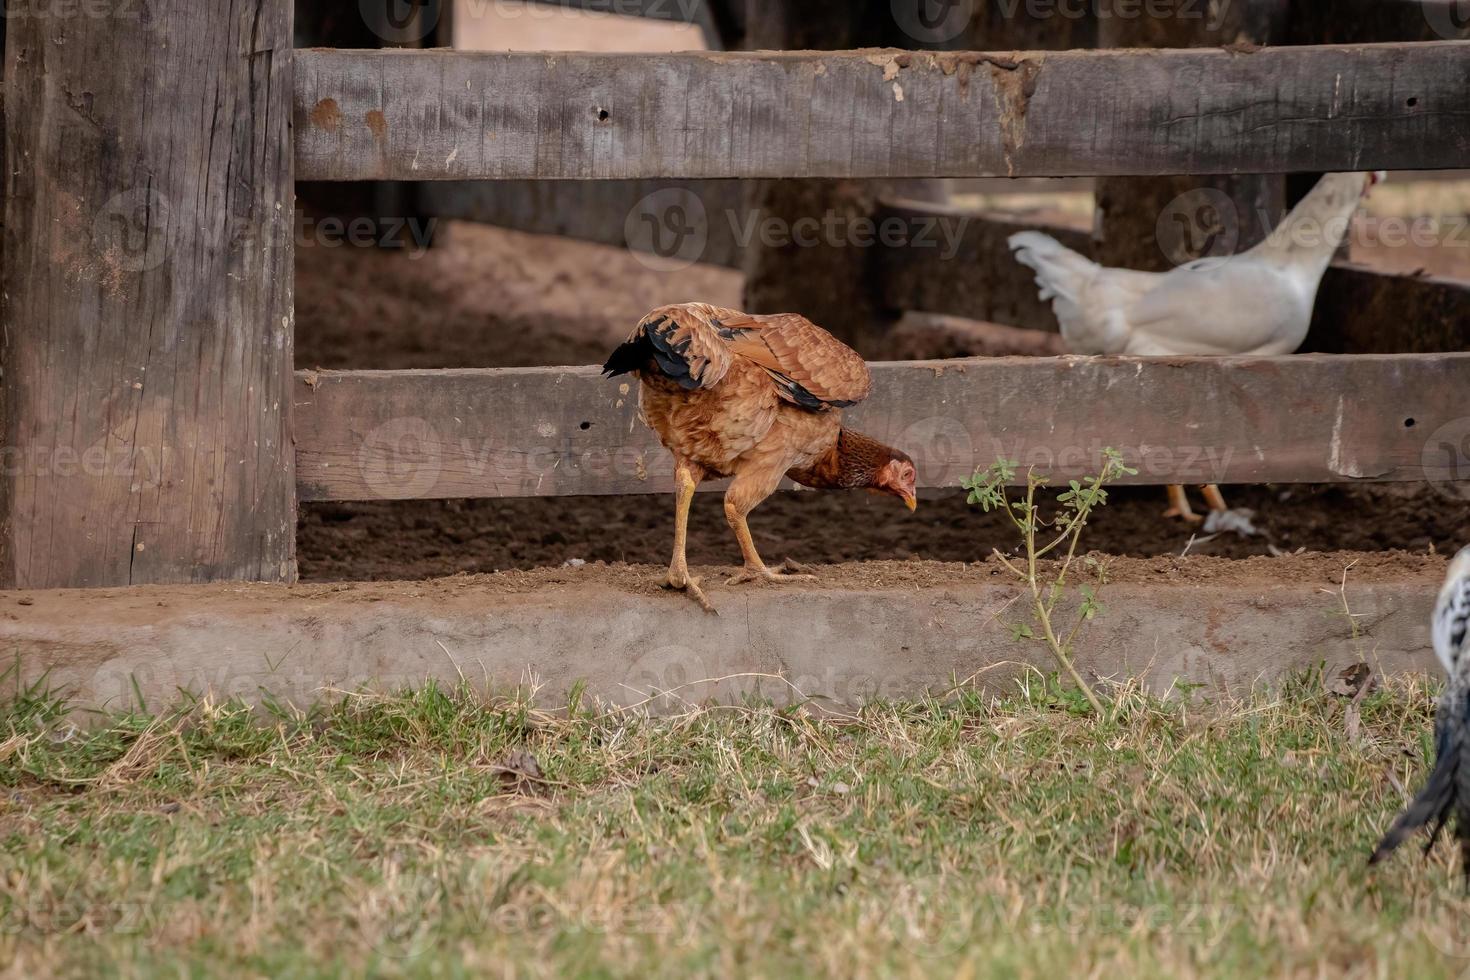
(148,285)
(1359,310)
(367,115)
(559,431)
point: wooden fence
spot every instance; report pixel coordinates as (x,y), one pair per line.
(147,285)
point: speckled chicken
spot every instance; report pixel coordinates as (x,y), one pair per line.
(1447,792)
(755,398)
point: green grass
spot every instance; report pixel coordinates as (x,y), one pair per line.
(1012,837)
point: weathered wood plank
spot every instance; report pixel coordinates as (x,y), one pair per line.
(148,297)
(1359,310)
(365,115)
(561,431)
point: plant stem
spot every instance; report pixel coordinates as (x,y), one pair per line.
(1042,607)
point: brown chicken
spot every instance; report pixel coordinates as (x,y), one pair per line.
(755,398)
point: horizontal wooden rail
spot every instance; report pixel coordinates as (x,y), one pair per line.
(1359,310)
(363,435)
(437,115)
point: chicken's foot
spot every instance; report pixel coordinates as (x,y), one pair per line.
(686,479)
(787,571)
(1214,499)
(690,587)
(1179,506)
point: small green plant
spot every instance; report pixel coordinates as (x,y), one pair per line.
(1057,538)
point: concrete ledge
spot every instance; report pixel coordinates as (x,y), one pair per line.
(887,630)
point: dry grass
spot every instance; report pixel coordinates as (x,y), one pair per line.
(432,834)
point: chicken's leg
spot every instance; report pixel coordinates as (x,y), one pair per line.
(740,500)
(1179,506)
(1213,498)
(686,479)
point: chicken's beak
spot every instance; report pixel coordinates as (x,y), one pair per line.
(912,501)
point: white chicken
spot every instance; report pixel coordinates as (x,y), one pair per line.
(1257,302)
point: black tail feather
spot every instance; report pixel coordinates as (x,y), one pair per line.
(629,357)
(1433,804)
(1446,794)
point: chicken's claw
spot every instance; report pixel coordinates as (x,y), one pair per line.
(692,590)
(788,571)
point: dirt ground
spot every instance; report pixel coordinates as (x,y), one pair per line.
(496,298)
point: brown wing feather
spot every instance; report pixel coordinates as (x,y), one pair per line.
(795,349)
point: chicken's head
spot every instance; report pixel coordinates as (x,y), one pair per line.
(897,478)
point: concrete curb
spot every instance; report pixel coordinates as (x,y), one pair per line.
(844,646)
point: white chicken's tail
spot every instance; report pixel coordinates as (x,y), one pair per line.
(1060,272)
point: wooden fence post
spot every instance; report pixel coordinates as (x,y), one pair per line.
(147,291)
